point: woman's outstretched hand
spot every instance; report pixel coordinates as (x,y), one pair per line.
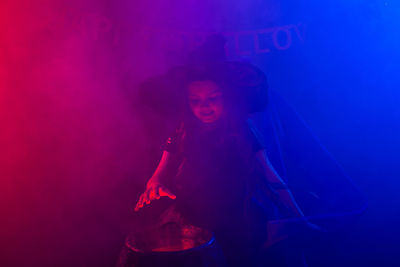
(154,190)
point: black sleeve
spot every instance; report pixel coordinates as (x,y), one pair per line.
(255,137)
(173,143)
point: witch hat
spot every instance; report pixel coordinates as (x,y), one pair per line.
(245,84)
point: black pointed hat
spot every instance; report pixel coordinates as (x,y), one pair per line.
(244,84)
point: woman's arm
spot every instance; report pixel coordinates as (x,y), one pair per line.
(277,188)
(155,188)
(167,162)
(283,198)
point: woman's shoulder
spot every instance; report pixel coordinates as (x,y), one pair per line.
(245,132)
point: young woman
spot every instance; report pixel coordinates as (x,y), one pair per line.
(215,165)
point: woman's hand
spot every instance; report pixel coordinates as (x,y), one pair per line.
(281,230)
(305,230)
(154,190)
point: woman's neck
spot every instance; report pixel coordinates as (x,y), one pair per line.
(209,127)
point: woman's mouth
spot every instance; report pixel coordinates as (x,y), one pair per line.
(207,114)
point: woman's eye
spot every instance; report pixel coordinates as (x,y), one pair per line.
(214,98)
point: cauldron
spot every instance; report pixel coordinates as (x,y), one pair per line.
(171,244)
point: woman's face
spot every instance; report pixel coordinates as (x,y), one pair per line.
(205,99)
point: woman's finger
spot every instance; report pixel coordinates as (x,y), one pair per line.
(163,192)
(147,194)
(154,194)
(139,204)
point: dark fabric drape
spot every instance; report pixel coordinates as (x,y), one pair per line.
(320,186)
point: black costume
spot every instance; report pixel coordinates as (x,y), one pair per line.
(219,184)
(214,184)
